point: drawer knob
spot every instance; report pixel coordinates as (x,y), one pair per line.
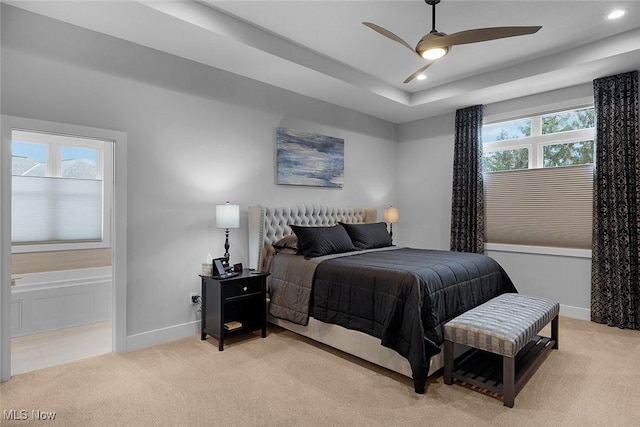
(244,289)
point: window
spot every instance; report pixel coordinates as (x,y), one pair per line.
(510,159)
(539,180)
(507,130)
(61,192)
(551,140)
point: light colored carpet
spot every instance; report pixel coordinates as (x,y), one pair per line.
(287,380)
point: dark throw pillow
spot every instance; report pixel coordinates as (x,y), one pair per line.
(368,236)
(319,241)
(287,245)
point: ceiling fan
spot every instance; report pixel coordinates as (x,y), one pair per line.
(436,44)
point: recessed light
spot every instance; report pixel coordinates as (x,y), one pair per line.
(618,13)
(421,77)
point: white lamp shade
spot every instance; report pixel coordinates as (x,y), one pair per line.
(227,216)
(391,215)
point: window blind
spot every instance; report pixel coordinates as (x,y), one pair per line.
(540,207)
(55,209)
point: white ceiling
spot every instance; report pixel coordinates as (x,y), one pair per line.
(321,49)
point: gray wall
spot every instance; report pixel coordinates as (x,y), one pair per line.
(197,137)
(425,151)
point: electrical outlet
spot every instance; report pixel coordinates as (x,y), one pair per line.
(193,298)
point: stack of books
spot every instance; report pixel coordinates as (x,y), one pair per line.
(232,325)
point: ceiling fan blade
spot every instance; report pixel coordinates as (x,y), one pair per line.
(389,35)
(475,36)
(420,71)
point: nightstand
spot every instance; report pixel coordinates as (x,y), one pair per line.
(234,305)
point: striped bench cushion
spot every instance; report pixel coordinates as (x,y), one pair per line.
(502,325)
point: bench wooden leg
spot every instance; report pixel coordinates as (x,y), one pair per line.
(448,362)
(554,332)
(508,380)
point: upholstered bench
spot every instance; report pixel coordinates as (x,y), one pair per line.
(506,328)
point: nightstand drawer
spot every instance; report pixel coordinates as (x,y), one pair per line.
(238,288)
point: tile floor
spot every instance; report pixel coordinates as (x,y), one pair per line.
(38,351)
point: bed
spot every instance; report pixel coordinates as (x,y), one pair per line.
(359,293)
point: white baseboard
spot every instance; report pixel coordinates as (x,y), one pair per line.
(163,335)
(575,312)
(173,333)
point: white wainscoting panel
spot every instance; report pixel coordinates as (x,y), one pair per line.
(60,299)
(16,314)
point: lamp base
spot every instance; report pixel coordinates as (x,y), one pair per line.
(225,262)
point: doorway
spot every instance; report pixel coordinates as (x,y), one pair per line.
(63,297)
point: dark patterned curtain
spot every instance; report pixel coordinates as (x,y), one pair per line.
(467,204)
(615,278)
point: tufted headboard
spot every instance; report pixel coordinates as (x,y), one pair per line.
(267,225)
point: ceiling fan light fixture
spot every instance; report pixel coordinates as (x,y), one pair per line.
(436,44)
(618,13)
(434,53)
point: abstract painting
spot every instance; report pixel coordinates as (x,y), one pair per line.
(309,159)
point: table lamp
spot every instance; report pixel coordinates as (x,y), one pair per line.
(227,216)
(391,216)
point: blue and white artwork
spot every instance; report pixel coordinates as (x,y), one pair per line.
(309,159)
